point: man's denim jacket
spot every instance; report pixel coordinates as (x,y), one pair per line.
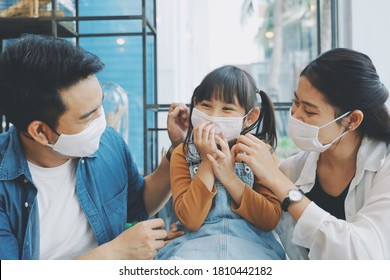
(108,185)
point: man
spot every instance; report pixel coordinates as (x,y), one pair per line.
(68,184)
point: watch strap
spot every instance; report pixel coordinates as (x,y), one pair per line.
(287,201)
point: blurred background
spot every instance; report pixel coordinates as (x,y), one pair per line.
(157,51)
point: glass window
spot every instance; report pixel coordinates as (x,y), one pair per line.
(110,8)
(271,39)
(286,40)
(110,26)
(364,27)
(122,57)
(150,11)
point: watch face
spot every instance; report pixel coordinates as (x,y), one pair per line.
(295,195)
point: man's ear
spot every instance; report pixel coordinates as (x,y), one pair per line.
(41,132)
(252,116)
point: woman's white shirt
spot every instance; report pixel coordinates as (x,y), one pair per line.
(365,234)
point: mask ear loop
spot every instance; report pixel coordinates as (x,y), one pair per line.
(261,115)
(244,118)
(27,135)
(55,131)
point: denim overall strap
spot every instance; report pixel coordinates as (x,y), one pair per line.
(222,201)
(224,234)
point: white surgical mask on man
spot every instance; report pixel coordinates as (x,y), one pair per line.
(84,143)
(305,136)
(230,126)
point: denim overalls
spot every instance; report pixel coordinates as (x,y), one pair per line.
(224,234)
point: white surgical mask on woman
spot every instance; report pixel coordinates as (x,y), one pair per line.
(305,136)
(230,126)
(84,143)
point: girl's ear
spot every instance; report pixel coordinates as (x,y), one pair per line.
(252,116)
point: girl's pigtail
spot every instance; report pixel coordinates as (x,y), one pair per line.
(266,129)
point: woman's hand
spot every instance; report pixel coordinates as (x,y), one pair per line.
(256,154)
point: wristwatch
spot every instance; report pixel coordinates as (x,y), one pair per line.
(293,196)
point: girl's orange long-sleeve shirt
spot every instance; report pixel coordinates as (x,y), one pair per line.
(192,200)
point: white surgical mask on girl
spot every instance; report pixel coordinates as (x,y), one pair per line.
(230,126)
(84,143)
(305,136)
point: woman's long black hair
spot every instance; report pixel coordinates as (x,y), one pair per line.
(349,81)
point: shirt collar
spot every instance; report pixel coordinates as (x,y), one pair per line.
(14,163)
(370,157)
(309,169)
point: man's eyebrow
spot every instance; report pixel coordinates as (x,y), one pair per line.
(86,115)
(305,102)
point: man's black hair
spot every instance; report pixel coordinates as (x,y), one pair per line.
(33,70)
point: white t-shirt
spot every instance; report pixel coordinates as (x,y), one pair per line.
(64,230)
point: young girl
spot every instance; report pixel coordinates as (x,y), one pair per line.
(225,214)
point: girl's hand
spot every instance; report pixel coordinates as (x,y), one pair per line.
(256,154)
(222,161)
(204,139)
(173,233)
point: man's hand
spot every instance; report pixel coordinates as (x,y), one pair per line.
(140,242)
(177,123)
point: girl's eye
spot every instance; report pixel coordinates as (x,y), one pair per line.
(205,105)
(227,109)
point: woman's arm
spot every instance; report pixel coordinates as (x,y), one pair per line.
(364,235)
(256,154)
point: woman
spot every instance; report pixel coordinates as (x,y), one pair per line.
(336,192)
